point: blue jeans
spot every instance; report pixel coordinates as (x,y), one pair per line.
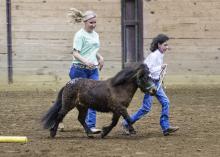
(76,72)
(146,107)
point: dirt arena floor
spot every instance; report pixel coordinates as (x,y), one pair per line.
(195,109)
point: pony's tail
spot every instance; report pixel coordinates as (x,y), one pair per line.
(50,117)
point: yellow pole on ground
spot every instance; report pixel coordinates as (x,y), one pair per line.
(13,139)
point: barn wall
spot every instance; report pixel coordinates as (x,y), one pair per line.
(194,28)
(42,37)
(3,49)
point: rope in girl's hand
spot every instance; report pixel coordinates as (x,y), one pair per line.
(162,75)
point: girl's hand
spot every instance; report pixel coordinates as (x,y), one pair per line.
(163,66)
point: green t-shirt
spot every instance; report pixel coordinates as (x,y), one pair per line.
(87,44)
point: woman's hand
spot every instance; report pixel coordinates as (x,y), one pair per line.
(89,64)
(100,60)
(77,55)
(101,63)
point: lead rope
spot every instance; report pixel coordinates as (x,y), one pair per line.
(162,75)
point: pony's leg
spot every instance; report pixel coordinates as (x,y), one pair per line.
(123,111)
(66,107)
(68,103)
(61,115)
(82,117)
(107,129)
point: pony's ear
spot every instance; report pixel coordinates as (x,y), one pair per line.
(144,66)
(140,71)
(143,69)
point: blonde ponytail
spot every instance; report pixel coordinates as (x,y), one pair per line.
(76,16)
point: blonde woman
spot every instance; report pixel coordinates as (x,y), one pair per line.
(86,59)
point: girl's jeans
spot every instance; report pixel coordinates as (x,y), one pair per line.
(146,107)
(76,72)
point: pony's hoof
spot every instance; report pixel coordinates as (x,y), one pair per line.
(103,135)
(133,132)
(61,127)
(89,135)
(105,131)
(53,133)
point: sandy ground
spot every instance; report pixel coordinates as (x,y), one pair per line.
(195,109)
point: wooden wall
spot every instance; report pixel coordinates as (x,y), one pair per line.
(194,26)
(42,37)
(3,48)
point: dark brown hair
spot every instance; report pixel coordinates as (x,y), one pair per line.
(159,39)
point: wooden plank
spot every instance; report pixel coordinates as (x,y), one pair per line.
(2,21)
(190,41)
(194,57)
(60,68)
(73,1)
(3,67)
(63,35)
(57,42)
(3,60)
(56,68)
(195,68)
(185,19)
(48,54)
(61,27)
(190,1)
(2,26)
(159,7)
(63,20)
(185,30)
(60,14)
(3,49)
(55,9)
(3,40)
(59,39)
(191,45)
(57,48)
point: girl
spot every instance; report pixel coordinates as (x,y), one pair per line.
(155,64)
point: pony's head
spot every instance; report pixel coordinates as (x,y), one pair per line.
(138,74)
(144,81)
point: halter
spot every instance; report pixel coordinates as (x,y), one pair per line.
(144,86)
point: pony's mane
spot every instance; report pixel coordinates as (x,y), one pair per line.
(125,75)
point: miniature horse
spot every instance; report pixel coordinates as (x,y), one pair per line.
(111,95)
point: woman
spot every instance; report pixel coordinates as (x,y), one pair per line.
(154,61)
(86,58)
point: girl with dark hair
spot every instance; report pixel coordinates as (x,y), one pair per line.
(155,64)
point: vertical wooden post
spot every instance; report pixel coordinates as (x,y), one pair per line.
(9,41)
(132,31)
